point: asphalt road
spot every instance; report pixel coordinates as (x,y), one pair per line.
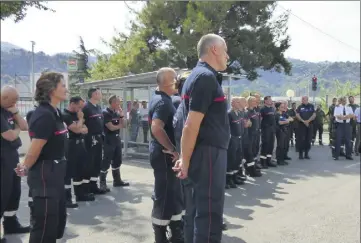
(316,201)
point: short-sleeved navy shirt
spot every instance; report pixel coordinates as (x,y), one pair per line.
(176,99)
(113,117)
(8,123)
(268,117)
(281,117)
(161,107)
(93,116)
(202,92)
(244,115)
(306,111)
(253,116)
(235,123)
(47,123)
(70,118)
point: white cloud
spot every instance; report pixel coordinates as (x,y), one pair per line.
(60,31)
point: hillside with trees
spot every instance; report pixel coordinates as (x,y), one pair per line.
(18,62)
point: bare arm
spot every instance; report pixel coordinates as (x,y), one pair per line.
(34,151)
(190,134)
(299,117)
(23,125)
(159,133)
(112,127)
(77,127)
(312,117)
(283,122)
(11,135)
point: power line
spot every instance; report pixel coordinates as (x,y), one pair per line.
(323,32)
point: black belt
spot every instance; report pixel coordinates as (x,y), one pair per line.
(236,136)
(96,135)
(77,140)
(54,160)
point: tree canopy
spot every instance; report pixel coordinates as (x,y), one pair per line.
(166,34)
(17,9)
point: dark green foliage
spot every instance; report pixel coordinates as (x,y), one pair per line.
(166,33)
(17,9)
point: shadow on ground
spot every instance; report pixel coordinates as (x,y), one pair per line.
(125,212)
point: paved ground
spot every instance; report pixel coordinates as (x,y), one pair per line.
(314,201)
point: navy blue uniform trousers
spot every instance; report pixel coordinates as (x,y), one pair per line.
(48,211)
(204,210)
(343,134)
(304,137)
(167,196)
(10,182)
(234,154)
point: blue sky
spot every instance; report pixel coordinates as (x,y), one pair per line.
(60,31)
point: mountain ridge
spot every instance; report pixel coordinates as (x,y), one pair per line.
(16,61)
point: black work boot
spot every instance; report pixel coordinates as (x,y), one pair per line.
(87,190)
(81,195)
(287,157)
(252,171)
(258,164)
(12,226)
(237,180)
(160,234)
(281,162)
(227,182)
(300,155)
(103,182)
(306,155)
(176,229)
(320,142)
(95,189)
(224,226)
(69,199)
(264,163)
(231,182)
(241,174)
(117,180)
(270,163)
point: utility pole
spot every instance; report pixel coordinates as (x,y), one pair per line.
(32,70)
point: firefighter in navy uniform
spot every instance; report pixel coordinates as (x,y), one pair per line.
(234,152)
(76,153)
(250,153)
(258,137)
(167,197)
(293,125)
(113,120)
(305,113)
(287,127)
(268,127)
(282,133)
(11,125)
(93,116)
(45,162)
(205,141)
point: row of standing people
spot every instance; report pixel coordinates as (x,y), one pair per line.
(194,141)
(68,146)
